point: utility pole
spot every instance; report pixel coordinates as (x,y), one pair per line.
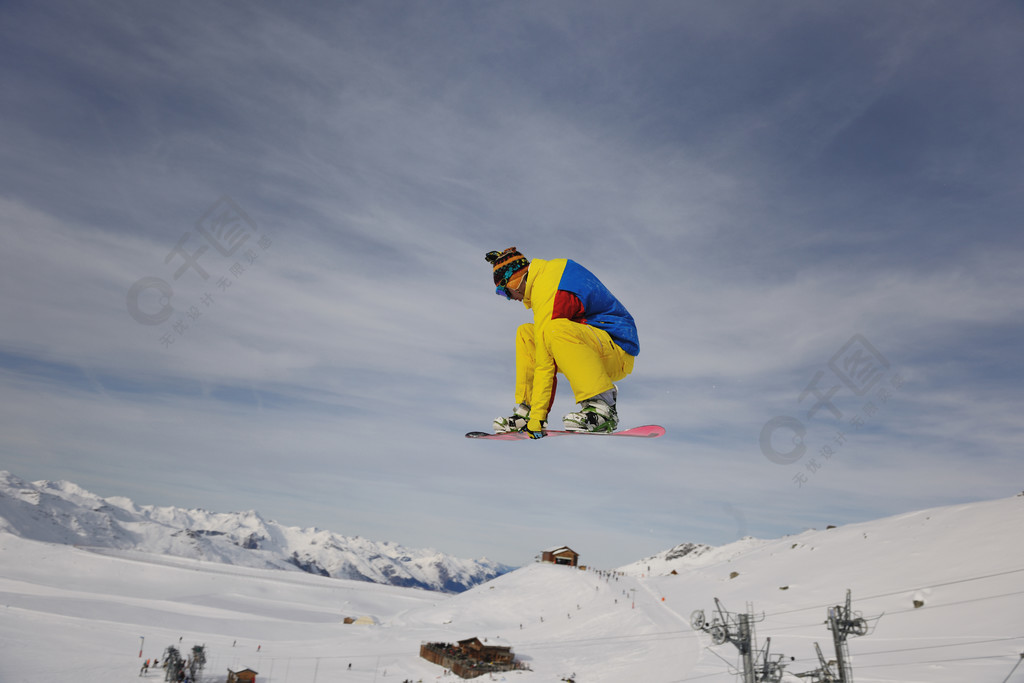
(842,622)
(738,629)
(746,647)
(839,642)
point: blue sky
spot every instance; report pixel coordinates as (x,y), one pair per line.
(811,209)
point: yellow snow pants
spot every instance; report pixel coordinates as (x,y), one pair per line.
(586,355)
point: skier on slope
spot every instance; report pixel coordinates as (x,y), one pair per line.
(579,329)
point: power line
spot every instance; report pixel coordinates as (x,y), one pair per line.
(961,602)
(888,666)
(817,623)
(942,584)
(1019,660)
(938,647)
(936,661)
(665,635)
(793,627)
(702,676)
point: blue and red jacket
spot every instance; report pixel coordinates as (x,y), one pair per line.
(563,289)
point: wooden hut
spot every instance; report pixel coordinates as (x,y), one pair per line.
(561,555)
(243,676)
(470,658)
(478,651)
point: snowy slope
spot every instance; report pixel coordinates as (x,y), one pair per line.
(61,512)
(69,613)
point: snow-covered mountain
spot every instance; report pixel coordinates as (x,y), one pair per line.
(62,512)
(939,590)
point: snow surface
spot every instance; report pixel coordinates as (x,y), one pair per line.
(71,613)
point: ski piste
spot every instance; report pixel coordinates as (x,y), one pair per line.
(644,432)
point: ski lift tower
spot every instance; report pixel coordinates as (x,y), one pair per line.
(760,667)
(738,629)
(843,622)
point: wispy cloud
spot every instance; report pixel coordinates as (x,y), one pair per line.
(757,186)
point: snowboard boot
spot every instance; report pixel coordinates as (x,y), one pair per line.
(515,422)
(597,414)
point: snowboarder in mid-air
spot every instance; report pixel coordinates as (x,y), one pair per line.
(579,329)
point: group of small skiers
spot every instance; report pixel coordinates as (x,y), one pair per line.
(183,676)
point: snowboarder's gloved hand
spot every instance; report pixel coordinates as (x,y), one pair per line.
(536,428)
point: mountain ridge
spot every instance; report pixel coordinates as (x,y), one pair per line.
(65,513)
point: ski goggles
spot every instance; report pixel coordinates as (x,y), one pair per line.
(502,288)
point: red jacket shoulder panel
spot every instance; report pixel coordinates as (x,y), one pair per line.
(568,305)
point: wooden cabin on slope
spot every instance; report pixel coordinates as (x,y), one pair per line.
(561,555)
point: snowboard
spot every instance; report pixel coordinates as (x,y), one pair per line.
(644,432)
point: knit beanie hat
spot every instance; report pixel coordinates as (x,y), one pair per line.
(506,264)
